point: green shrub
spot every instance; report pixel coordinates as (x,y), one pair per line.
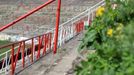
(111,35)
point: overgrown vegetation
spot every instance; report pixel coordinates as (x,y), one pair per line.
(111,35)
(3,42)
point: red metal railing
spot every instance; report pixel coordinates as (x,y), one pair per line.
(38,46)
(33,11)
(40,38)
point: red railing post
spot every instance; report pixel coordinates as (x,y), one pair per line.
(16,58)
(47,40)
(12,60)
(76,28)
(23,54)
(83,25)
(50,38)
(39,47)
(57,26)
(32,48)
(44,49)
(79,26)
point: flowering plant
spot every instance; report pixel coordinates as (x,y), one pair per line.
(111,35)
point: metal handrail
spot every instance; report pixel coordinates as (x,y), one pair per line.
(88,10)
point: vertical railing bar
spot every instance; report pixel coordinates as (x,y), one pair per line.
(61,32)
(38,52)
(89,16)
(12,62)
(50,39)
(64,34)
(23,54)
(6,63)
(3,62)
(16,59)
(52,42)
(9,58)
(44,49)
(26,53)
(72,28)
(32,50)
(34,55)
(68,32)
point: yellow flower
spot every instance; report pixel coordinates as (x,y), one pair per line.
(110,32)
(100,11)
